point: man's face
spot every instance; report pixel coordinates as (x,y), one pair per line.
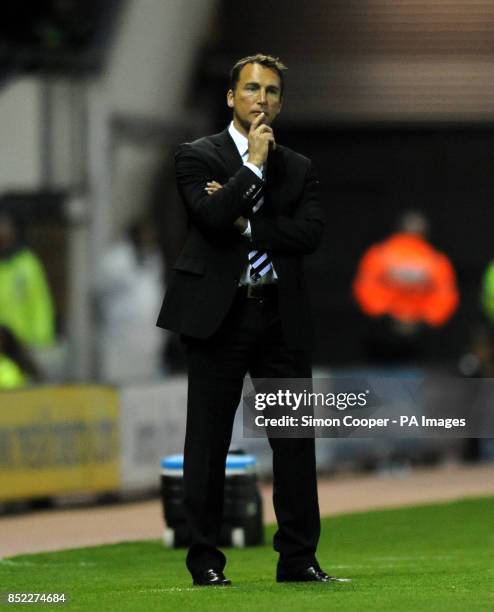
(258,91)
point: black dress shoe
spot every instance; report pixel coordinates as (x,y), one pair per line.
(307,574)
(211,577)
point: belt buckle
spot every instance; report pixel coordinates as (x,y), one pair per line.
(250,291)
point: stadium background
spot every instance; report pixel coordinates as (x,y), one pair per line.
(392,100)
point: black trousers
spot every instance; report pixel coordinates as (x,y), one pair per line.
(249,340)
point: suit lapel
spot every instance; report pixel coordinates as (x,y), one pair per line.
(227,151)
(275,178)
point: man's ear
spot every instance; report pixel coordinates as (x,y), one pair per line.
(229,98)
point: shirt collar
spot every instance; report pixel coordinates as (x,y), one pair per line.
(239,139)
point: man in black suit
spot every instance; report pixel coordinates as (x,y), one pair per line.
(237,297)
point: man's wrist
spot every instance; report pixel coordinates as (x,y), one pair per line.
(257,162)
(253,168)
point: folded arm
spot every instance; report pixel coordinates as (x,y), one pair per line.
(219,209)
(299,234)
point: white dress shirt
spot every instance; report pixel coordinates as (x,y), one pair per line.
(242,145)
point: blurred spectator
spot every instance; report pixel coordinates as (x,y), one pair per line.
(26,305)
(408,286)
(129,290)
(16,366)
(487,292)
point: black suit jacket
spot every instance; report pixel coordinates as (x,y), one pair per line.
(289,225)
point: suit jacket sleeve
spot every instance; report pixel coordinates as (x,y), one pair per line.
(297,234)
(217,212)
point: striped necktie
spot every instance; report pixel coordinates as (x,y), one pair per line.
(259,261)
(260,264)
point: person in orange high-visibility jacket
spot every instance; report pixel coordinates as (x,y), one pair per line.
(405,278)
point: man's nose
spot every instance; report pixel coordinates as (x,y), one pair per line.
(262,96)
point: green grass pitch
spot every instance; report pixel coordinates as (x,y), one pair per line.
(435,557)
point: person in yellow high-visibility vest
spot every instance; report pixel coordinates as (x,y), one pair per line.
(11,376)
(17,369)
(26,305)
(487,292)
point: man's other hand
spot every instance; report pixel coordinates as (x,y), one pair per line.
(212,187)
